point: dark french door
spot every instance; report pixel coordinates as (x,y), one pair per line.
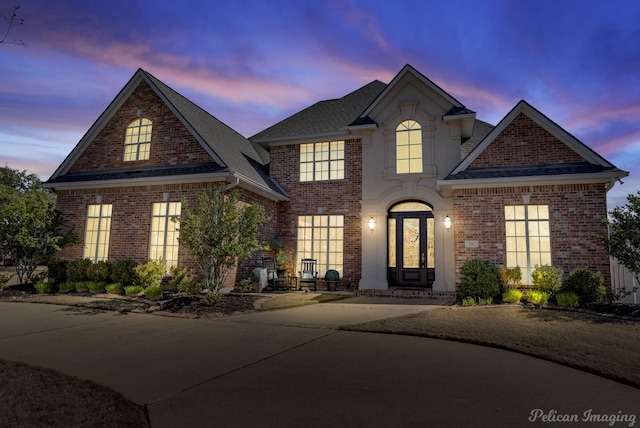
(411,249)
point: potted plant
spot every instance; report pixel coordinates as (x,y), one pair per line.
(255,279)
(331,277)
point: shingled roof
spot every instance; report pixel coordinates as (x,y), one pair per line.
(324,117)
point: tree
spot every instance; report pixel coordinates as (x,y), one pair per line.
(220,232)
(12,19)
(29,223)
(623,241)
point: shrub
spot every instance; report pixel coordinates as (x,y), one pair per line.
(122,272)
(537,297)
(512,296)
(153,292)
(182,278)
(42,287)
(115,288)
(4,278)
(486,301)
(587,284)
(81,286)
(57,270)
(510,277)
(479,279)
(469,301)
(133,290)
(77,270)
(99,271)
(567,299)
(244,286)
(192,287)
(95,286)
(547,278)
(67,286)
(255,275)
(212,297)
(149,273)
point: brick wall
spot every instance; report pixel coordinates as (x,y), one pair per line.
(171,142)
(335,197)
(576,212)
(524,142)
(131,219)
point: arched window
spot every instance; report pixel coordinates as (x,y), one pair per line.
(137,140)
(408,147)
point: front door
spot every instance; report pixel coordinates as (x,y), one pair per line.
(411,249)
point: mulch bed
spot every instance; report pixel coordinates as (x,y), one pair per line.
(230,304)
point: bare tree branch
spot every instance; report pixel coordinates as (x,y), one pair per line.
(12,19)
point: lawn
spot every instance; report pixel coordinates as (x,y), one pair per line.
(601,345)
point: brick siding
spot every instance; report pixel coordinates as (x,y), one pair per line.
(131,219)
(171,142)
(335,197)
(576,212)
(524,142)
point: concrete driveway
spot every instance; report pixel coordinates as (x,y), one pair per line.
(293,368)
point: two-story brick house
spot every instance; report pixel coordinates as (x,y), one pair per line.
(393,185)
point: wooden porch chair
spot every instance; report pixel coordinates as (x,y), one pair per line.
(276,282)
(308,273)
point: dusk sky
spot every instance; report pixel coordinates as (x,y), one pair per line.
(253,63)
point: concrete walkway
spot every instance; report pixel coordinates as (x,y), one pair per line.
(293,368)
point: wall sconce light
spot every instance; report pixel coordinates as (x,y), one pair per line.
(447,222)
(372,224)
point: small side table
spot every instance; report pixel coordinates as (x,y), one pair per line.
(293,282)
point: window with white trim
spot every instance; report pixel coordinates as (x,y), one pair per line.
(528,238)
(322,161)
(409,147)
(137,140)
(163,243)
(321,237)
(97,233)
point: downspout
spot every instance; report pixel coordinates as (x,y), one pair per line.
(233,183)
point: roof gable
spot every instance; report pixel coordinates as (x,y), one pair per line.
(232,153)
(543,129)
(457,108)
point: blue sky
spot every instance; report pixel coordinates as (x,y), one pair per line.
(253,63)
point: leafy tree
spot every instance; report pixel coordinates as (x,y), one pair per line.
(623,241)
(220,232)
(29,223)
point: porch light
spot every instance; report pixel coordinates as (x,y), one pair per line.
(372,224)
(447,222)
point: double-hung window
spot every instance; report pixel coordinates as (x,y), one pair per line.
(321,237)
(528,238)
(322,161)
(163,244)
(97,233)
(137,140)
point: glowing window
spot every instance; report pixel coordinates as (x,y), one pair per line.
(97,233)
(528,238)
(321,237)
(322,161)
(408,147)
(163,243)
(137,140)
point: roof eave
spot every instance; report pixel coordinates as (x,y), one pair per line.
(600,177)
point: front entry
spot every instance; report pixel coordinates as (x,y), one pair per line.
(411,245)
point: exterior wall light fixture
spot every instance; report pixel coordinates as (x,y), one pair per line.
(447,222)
(372,224)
